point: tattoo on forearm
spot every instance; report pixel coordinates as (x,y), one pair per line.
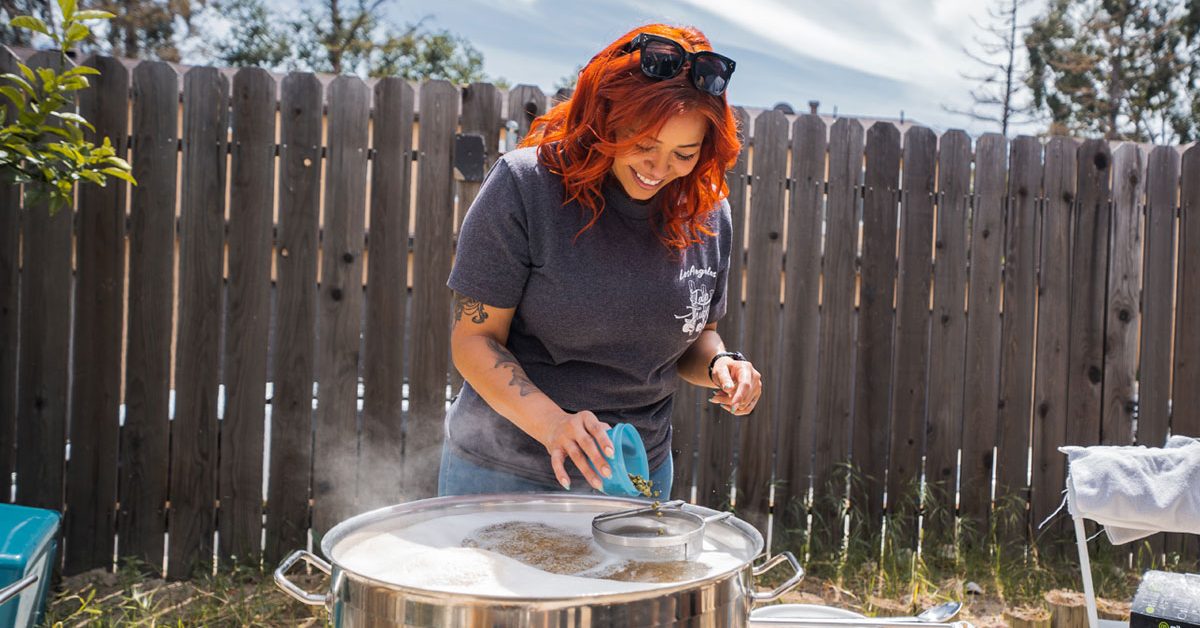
(504,358)
(464,304)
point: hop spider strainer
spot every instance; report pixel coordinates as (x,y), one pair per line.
(656,533)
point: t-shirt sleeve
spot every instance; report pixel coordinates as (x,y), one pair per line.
(492,262)
(724,225)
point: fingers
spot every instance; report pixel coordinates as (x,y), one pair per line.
(577,456)
(599,431)
(742,396)
(560,472)
(580,437)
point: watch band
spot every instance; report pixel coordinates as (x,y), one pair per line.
(736,355)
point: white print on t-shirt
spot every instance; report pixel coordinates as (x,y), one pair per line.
(697,314)
(696,272)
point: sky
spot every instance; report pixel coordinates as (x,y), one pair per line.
(870,58)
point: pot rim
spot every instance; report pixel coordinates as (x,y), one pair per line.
(587,502)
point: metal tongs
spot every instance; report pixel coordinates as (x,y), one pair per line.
(655,533)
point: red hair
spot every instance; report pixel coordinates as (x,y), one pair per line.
(578,139)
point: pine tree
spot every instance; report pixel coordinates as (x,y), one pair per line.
(997,97)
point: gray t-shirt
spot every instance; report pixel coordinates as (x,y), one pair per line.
(601,316)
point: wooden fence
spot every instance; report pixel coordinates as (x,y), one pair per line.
(938,295)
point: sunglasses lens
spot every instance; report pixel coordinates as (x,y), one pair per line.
(712,74)
(661,60)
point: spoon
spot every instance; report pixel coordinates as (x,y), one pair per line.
(935,614)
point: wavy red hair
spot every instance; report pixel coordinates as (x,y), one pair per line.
(614,108)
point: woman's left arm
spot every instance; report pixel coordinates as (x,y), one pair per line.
(739,382)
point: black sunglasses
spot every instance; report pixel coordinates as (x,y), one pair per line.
(664,58)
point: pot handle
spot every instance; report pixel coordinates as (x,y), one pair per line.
(756,596)
(289,587)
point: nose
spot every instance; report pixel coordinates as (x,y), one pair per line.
(657,165)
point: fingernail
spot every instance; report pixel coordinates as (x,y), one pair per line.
(608,451)
(606,472)
(728,385)
(566,483)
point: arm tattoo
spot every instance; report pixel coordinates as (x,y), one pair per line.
(464,304)
(505,358)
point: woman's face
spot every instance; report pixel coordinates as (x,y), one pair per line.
(656,162)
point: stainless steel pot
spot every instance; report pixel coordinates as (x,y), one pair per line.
(357,599)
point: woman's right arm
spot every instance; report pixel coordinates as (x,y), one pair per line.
(477,345)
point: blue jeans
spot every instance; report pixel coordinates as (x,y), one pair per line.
(459,476)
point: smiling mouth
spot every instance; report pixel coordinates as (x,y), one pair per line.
(646,183)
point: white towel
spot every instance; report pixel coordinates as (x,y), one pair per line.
(1136,491)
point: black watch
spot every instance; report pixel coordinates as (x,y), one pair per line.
(736,355)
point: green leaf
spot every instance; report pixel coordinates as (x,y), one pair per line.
(81,69)
(68,9)
(118,162)
(77,32)
(120,174)
(73,117)
(49,78)
(93,15)
(74,83)
(29,22)
(28,73)
(15,95)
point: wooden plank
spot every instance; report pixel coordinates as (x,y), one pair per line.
(911,361)
(387,294)
(1053,328)
(685,440)
(876,322)
(431,299)
(145,441)
(1089,265)
(1016,359)
(43,369)
(480,115)
(981,395)
(525,104)
(763,265)
(719,429)
(251,178)
(836,348)
(295,315)
(1124,293)
(339,314)
(801,320)
(1154,382)
(90,521)
(1185,393)
(947,339)
(197,351)
(10,233)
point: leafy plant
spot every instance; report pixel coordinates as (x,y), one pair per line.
(42,144)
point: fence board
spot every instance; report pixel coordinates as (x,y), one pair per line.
(1154,383)
(981,396)
(836,349)
(431,299)
(10,232)
(145,441)
(764,263)
(947,339)
(296,313)
(1089,251)
(202,222)
(387,293)
(1186,394)
(1124,293)
(44,347)
(339,305)
(1016,359)
(684,440)
(92,471)
(801,320)
(876,321)
(1053,327)
(719,429)
(525,103)
(251,178)
(911,356)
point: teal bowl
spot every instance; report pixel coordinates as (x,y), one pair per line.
(629,457)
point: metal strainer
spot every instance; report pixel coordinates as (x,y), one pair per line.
(655,533)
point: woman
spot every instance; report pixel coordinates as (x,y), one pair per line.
(591,271)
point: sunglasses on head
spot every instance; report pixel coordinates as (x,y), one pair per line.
(664,58)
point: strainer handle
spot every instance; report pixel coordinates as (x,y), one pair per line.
(289,587)
(783,588)
(637,511)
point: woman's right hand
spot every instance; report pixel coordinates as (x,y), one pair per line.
(575,436)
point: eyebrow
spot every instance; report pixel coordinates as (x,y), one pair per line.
(658,141)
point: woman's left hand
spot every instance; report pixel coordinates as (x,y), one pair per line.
(740,385)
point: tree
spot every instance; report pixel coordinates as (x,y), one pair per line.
(570,80)
(1121,69)
(255,39)
(997,97)
(13,36)
(144,29)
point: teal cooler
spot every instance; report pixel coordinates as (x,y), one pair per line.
(27,550)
